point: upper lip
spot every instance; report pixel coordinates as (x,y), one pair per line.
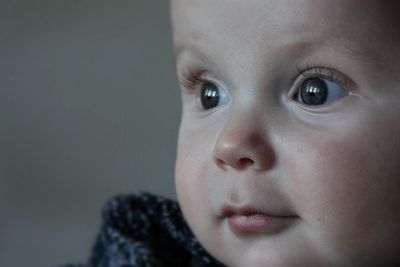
(229,210)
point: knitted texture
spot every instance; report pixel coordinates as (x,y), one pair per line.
(144,230)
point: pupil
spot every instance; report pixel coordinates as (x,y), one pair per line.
(209,96)
(314,92)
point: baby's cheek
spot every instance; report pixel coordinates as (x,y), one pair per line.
(341,186)
(193,185)
(189,170)
(350,192)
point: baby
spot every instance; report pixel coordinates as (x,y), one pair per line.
(289,151)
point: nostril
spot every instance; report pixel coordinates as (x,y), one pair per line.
(220,162)
(241,163)
(245,162)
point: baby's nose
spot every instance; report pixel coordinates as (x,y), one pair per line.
(244,144)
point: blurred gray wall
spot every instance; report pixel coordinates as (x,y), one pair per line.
(89,108)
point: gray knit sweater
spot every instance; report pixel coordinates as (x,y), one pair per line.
(143,230)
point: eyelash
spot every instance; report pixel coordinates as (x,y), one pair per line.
(309,71)
(191,78)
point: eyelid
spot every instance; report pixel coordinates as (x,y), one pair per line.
(314,71)
(191,78)
(192,81)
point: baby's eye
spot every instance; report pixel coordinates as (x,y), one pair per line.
(212,96)
(318,91)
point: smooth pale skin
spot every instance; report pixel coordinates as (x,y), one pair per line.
(335,166)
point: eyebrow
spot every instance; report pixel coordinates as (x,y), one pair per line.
(359,52)
(192,48)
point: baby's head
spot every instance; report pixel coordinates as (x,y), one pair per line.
(289,145)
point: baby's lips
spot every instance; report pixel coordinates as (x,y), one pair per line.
(229,210)
(247,219)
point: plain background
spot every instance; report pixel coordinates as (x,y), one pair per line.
(89,108)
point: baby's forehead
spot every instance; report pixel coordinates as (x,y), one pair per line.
(334,16)
(360,28)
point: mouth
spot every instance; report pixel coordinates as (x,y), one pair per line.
(246,220)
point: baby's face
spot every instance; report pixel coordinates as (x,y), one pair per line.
(289,145)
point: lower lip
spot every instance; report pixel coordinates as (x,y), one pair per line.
(257,223)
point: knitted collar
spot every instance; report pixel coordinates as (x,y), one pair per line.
(144,230)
